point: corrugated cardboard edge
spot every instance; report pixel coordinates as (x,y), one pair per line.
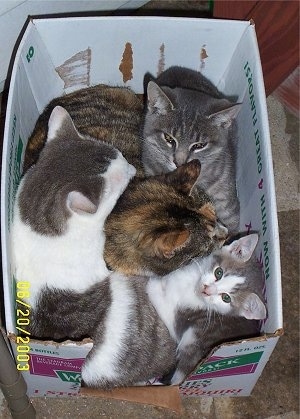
(167,397)
(12,336)
(278,332)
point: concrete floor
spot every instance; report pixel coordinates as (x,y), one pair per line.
(276,395)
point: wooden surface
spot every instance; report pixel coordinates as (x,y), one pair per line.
(277,29)
(233,9)
(163,396)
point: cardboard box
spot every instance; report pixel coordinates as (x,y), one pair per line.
(60,55)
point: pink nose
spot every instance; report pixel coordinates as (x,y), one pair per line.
(208,290)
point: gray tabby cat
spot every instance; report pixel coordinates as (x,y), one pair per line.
(188,118)
(163,326)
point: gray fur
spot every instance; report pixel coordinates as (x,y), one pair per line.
(190,109)
(61,314)
(43,197)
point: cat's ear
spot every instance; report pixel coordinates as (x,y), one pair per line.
(157,101)
(168,243)
(243,248)
(60,121)
(184,177)
(165,244)
(224,117)
(253,308)
(79,203)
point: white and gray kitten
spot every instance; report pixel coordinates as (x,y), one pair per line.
(188,118)
(163,326)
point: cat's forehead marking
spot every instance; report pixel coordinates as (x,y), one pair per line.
(216,259)
(190,128)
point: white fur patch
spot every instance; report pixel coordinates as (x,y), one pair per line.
(116,178)
(188,338)
(71,261)
(104,363)
(215,288)
(175,290)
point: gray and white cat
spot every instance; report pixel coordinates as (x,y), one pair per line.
(163,326)
(57,236)
(188,118)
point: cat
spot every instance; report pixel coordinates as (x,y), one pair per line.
(163,326)
(188,118)
(231,289)
(159,223)
(62,202)
(101,111)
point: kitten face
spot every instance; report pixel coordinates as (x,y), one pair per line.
(177,129)
(158,225)
(225,286)
(218,286)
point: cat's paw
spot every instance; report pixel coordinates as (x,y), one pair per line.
(217,232)
(118,176)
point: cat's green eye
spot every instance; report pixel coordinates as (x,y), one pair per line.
(198,146)
(169,139)
(226,298)
(218,272)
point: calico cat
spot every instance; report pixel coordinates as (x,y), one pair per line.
(163,326)
(60,229)
(188,118)
(159,224)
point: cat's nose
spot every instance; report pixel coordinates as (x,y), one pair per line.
(180,158)
(207,290)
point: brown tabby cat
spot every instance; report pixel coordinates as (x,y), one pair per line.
(157,224)
(112,114)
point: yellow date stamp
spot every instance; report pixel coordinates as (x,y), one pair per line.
(23,322)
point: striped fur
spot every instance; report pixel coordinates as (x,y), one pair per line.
(188,118)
